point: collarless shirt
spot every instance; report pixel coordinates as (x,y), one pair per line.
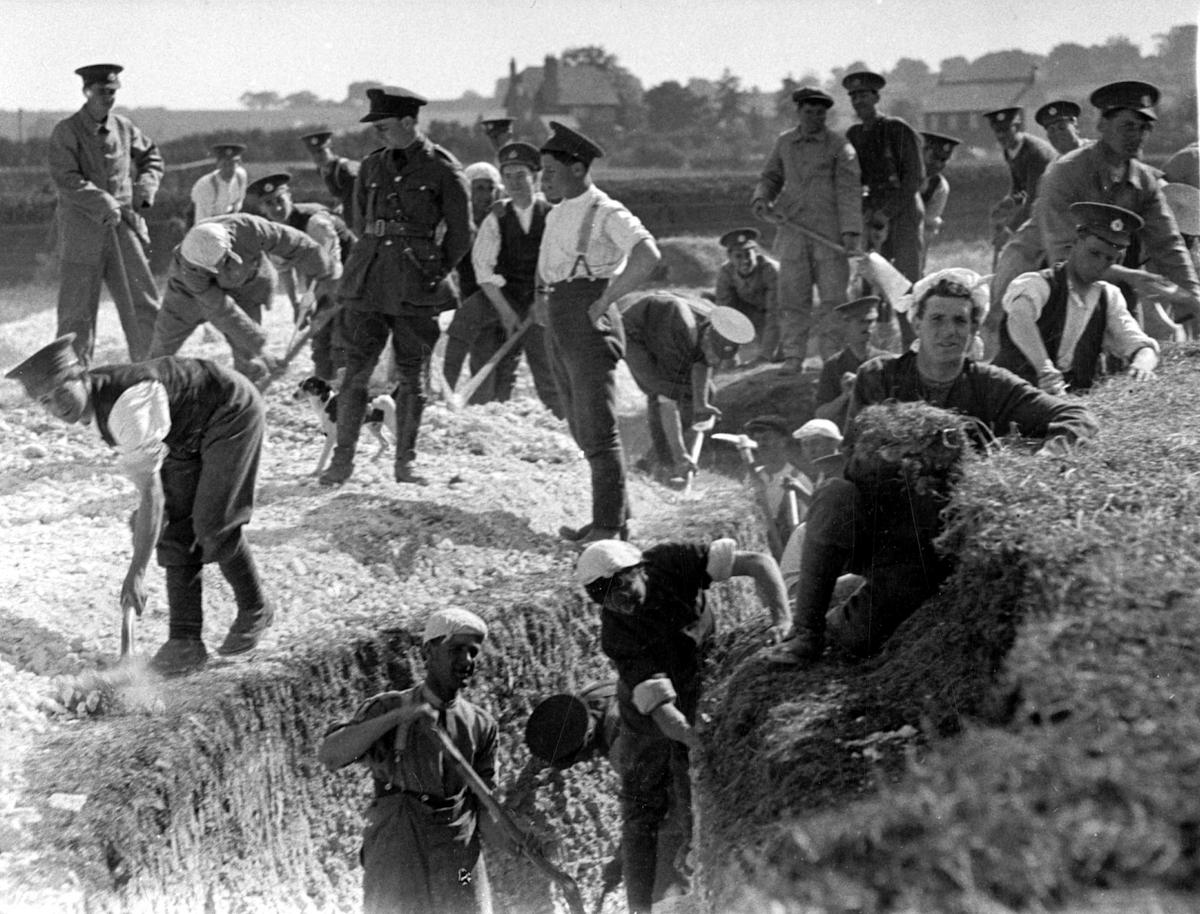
(486,249)
(615,231)
(139,424)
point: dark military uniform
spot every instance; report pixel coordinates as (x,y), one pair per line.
(889,156)
(339,177)
(397,280)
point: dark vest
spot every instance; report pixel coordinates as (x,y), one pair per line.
(1086,357)
(517,261)
(196,389)
(303,212)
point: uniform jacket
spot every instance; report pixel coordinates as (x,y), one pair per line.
(889,156)
(96,175)
(1081,176)
(814,180)
(339,176)
(757,293)
(422,190)
(1026,167)
(934,194)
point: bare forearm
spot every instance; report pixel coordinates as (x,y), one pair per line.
(641,263)
(348,743)
(673,725)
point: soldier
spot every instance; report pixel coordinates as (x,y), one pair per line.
(936,190)
(329,230)
(106,171)
(336,171)
(498,130)
(593,251)
(812,187)
(836,385)
(421,850)
(222,273)
(188,434)
(889,156)
(222,191)
(672,345)
(749,282)
(1060,120)
(1059,321)
(1027,157)
(397,279)
(505,260)
(1107,171)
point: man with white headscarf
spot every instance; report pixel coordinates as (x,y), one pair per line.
(421,845)
(222,273)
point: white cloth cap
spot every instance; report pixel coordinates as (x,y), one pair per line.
(818,428)
(604,558)
(477,171)
(731,324)
(206,244)
(447,622)
(978,285)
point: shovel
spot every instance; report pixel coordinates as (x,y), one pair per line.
(459,398)
(128,629)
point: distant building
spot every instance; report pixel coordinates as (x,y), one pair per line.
(570,94)
(955,106)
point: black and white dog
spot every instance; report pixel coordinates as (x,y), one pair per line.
(380,419)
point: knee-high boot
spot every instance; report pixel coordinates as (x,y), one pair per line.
(254,614)
(352,407)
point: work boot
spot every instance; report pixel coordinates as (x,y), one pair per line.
(821,565)
(574,534)
(245,634)
(255,615)
(340,468)
(406,475)
(180,656)
(351,409)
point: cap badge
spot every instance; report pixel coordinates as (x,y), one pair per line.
(1117,225)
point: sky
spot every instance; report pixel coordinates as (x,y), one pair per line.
(206,53)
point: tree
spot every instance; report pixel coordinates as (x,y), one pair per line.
(730,98)
(260,101)
(356,92)
(1119,54)
(785,108)
(302,99)
(1176,50)
(592,55)
(1068,62)
(671,107)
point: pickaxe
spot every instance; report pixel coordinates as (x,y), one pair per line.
(701,428)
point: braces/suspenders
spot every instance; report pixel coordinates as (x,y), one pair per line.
(585,237)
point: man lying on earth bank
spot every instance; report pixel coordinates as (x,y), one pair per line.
(889,546)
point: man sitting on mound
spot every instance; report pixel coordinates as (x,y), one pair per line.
(879,522)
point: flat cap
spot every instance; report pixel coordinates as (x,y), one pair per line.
(103,73)
(206,244)
(266,187)
(228,149)
(1184,200)
(45,369)
(1113,224)
(393,101)
(572,143)
(558,728)
(857,306)
(730,324)
(519,153)
(317,138)
(1002,117)
(739,238)
(810,95)
(1137,96)
(1055,111)
(767,423)
(940,140)
(863,79)
(446,623)
(604,558)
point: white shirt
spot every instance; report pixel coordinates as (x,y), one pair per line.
(139,423)
(214,196)
(486,249)
(615,232)
(1122,335)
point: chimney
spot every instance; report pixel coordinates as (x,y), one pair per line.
(550,84)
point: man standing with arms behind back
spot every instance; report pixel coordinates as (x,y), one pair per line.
(593,251)
(396,280)
(893,171)
(811,185)
(336,171)
(106,172)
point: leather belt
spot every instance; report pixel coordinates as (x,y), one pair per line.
(428,799)
(392,227)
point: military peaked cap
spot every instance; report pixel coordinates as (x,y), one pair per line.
(519,153)
(103,73)
(1137,96)
(572,143)
(265,187)
(1109,223)
(392,102)
(940,140)
(47,368)
(863,79)
(1055,111)
(808,95)
(1002,117)
(228,149)
(317,138)
(858,306)
(768,423)
(739,238)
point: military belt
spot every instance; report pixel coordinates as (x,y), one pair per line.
(395,227)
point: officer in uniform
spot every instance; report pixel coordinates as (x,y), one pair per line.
(749,282)
(1060,120)
(274,195)
(223,190)
(936,190)
(397,279)
(1027,157)
(499,131)
(188,433)
(893,172)
(336,171)
(593,251)
(106,172)
(1058,322)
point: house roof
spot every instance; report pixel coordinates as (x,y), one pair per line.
(578,86)
(981,95)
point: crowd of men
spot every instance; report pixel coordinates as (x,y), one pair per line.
(534,257)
